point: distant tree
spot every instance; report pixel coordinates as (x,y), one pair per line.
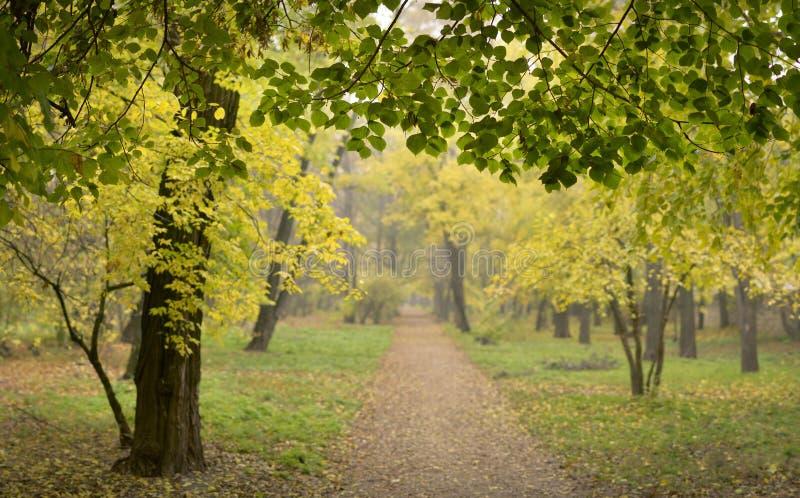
(686,309)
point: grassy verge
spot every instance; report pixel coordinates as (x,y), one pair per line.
(710,430)
(264,415)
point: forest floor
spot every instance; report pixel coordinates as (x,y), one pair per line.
(343,410)
(434,425)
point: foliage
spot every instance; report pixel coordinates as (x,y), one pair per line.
(382,297)
(568,88)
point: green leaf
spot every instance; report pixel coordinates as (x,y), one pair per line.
(363,8)
(416,143)
(318,118)
(377,142)
(257,118)
(638,143)
(6,213)
(243,144)
(361,132)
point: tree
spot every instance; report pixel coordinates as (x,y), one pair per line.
(80,252)
(687,343)
(578,88)
(585,317)
(561,323)
(304,200)
(571,89)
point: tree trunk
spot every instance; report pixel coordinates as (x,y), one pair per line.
(133,357)
(598,320)
(747,307)
(167,440)
(125,434)
(585,324)
(688,346)
(561,322)
(458,256)
(167,427)
(791,323)
(652,309)
(724,316)
(264,328)
(632,355)
(541,315)
(701,316)
(268,314)
(132,332)
(439,297)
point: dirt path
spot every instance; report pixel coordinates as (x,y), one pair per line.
(435,426)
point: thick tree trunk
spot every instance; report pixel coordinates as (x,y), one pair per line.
(167,436)
(724,316)
(458,256)
(167,427)
(652,309)
(561,323)
(747,308)
(585,324)
(688,346)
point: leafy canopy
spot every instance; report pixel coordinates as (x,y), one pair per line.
(565,87)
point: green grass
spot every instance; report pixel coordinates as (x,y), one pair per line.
(710,430)
(287,405)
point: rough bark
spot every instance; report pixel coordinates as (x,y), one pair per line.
(561,324)
(688,346)
(585,316)
(167,439)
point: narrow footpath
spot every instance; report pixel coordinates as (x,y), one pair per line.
(435,426)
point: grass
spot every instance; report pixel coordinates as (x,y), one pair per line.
(291,403)
(285,407)
(710,430)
